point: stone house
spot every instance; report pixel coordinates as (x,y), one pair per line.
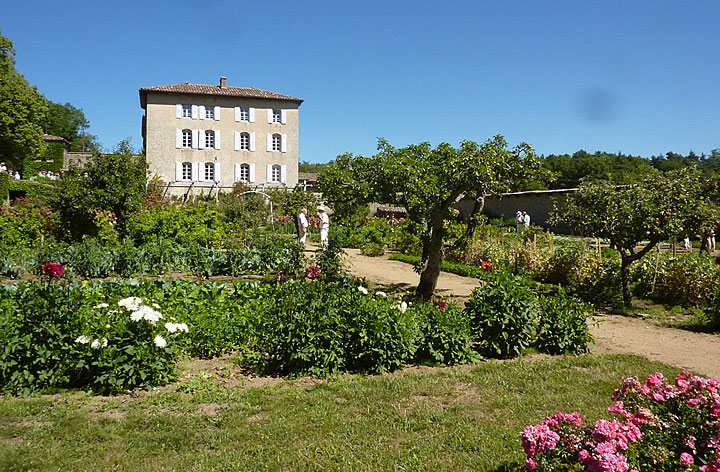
(199,137)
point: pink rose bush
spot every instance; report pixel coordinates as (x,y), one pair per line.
(660,427)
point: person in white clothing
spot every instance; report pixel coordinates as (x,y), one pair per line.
(302,225)
(324,226)
(526,220)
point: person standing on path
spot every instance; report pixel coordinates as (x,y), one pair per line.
(324,227)
(519,222)
(302,225)
(526,220)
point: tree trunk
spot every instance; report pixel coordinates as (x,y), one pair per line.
(431,262)
(625,276)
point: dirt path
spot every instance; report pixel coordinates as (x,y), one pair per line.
(614,334)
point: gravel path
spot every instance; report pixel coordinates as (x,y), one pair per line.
(697,352)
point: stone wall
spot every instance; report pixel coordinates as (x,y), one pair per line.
(538,204)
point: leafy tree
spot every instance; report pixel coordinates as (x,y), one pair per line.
(675,203)
(312,167)
(22,110)
(113,182)
(70,123)
(427,182)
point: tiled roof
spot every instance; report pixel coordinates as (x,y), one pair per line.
(309,176)
(50,137)
(202,89)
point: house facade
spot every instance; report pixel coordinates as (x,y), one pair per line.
(208,136)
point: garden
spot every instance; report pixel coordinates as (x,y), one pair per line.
(113,294)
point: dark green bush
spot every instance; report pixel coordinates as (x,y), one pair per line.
(502,312)
(446,334)
(562,325)
(193,224)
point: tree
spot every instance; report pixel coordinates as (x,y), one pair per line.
(676,203)
(427,182)
(70,123)
(113,182)
(22,110)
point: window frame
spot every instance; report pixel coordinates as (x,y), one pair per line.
(244,141)
(209,113)
(276,115)
(209,139)
(276,145)
(244,173)
(186,171)
(244,114)
(187,139)
(209,171)
(275,171)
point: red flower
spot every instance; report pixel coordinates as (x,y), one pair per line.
(441,304)
(53,269)
(312,272)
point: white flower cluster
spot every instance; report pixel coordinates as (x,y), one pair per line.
(174,327)
(102,305)
(403,306)
(131,303)
(160,341)
(363,290)
(144,312)
(95,344)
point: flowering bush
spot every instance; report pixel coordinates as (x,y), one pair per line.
(312,272)
(661,427)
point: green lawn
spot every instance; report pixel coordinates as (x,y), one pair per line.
(434,419)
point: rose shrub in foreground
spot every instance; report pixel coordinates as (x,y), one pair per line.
(661,427)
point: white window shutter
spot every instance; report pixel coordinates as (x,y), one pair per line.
(237,113)
(217,113)
(194,112)
(217,139)
(178,171)
(283,116)
(252,142)
(201,111)
(283,173)
(196,139)
(178,138)
(217,172)
(201,171)
(195,171)
(283,143)
(237,141)
(237,172)
(270,115)
(178,110)
(268,174)
(252,173)
(201,141)
(252,115)
(269,142)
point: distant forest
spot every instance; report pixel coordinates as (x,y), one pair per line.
(569,169)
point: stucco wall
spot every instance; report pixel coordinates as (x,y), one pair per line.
(538,204)
(161,124)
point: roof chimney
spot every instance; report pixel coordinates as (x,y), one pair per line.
(223,82)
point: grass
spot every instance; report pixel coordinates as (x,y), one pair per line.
(422,419)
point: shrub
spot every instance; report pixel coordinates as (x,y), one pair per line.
(446,334)
(372,249)
(502,314)
(661,427)
(319,329)
(193,224)
(25,222)
(562,326)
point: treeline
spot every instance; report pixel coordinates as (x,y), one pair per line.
(569,170)
(26,114)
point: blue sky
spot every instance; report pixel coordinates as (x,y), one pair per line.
(640,77)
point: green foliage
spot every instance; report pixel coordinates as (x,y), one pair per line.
(502,315)
(289,203)
(562,325)
(246,211)
(26,222)
(330,262)
(112,182)
(193,224)
(686,279)
(320,329)
(712,309)
(70,123)
(446,334)
(30,189)
(4,188)
(22,110)
(52,155)
(667,205)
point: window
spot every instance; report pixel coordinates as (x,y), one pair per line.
(209,139)
(244,173)
(209,171)
(276,142)
(244,141)
(276,116)
(186,171)
(186,138)
(244,114)
(275,176)
(209,113)
(187,111)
